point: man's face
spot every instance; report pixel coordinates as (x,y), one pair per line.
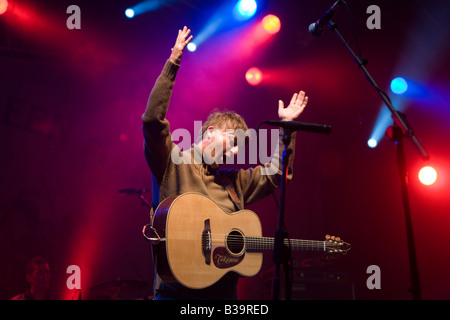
(229,144)
(40,278)
(223,145)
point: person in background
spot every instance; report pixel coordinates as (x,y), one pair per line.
(38,277)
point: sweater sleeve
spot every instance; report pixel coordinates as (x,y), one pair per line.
(259,182)
(158,141)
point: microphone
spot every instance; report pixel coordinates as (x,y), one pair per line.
(300,126)
(133,191)
(316,28)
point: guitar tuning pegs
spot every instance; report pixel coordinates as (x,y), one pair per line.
(327,237)
(338,239)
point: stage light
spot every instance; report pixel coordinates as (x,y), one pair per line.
(129,13)
(191,46)
(253,76)
(372,143)
(246,8)
(271,23)
(399,85)
(3,6)
(427,175)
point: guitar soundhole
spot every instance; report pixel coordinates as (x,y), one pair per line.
(235,242)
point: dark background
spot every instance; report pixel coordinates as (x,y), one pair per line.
(70,136)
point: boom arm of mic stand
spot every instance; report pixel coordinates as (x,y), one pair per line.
(404,129)
(144,201)
(398,120)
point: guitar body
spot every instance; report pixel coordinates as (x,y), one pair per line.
(203,242)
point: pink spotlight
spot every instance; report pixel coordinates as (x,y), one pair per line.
(3,6)
(253,76)
(271,23)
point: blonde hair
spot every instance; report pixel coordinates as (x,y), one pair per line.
(224,120)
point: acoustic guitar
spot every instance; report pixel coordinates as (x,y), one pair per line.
(198,242)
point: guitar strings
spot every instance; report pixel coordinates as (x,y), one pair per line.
(258,242)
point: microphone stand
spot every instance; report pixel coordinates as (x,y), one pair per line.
(397,132)
(281,252)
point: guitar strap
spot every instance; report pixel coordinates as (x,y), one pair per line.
(229,186)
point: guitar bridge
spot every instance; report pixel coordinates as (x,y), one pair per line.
(206,242)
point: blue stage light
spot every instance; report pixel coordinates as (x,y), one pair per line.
(129,13)
(191,46)
(246,8)
(399,85)
(372,142)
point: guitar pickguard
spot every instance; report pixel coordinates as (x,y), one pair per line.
(223,259)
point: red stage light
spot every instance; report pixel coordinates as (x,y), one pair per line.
(253,76)
(271,23)
(3,6)
(427,175)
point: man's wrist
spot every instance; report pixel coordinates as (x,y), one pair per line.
(175,57)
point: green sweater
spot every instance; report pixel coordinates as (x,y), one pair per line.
(170,179)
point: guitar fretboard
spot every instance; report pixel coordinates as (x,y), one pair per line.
(257,244)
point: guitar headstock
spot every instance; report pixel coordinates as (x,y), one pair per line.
(334,245)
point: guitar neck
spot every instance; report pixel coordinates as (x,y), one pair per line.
(258,244)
